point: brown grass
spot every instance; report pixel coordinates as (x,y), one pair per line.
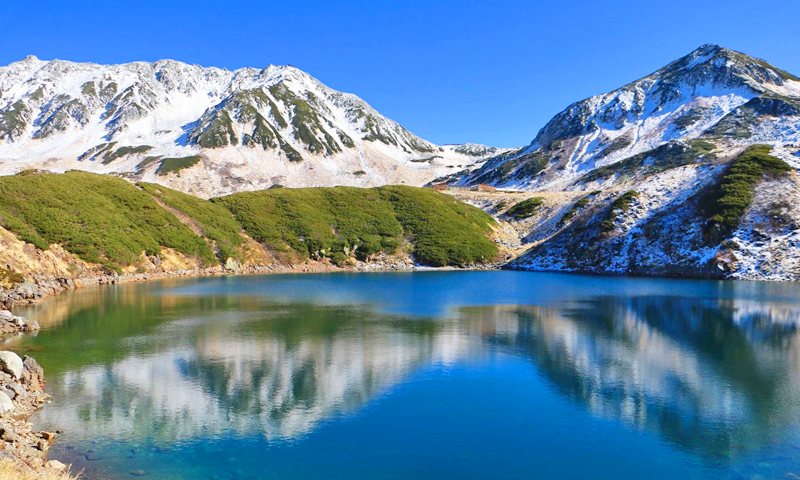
(14,470)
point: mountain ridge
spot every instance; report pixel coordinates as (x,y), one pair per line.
(689,171)
(245,129)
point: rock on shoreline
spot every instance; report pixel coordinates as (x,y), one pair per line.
(10,323)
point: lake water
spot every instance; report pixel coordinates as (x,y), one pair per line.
(426,375)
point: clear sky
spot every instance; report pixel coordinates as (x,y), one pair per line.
(451,72)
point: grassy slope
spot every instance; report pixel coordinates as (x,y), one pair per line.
(109,221)
(444,231)
(332,222)
(101,219)
(216,221)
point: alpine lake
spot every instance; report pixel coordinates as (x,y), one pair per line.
(423,375)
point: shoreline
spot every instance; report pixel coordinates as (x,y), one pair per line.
(46,286)
(43,287)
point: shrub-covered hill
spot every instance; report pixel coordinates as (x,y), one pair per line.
(109,221)
(341,222)
(99,218)
(215,221)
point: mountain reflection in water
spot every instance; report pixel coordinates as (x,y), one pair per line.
(714,377)
(717,377)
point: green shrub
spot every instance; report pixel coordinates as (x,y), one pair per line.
(573,210)
(340,222)
(101,219)
(10,276)
(216,221)
(106,220)
(727,202)
(690,118)
(670,155)
(315,222)
(169,165)
(624,202)
(443,230)
(618,144)
(123,151)
(621,204)
(147,162)
(525,208)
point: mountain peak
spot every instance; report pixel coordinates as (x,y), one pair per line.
(711,92)
(708,49)
(28,62)
(715,63)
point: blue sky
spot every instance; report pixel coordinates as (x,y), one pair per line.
(451,72)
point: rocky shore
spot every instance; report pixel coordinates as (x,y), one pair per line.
(22,393)
(38,287)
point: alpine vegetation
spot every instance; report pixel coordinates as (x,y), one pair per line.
(112,225)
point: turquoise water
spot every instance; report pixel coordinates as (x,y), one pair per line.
(427,375)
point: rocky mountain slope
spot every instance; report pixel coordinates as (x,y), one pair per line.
(717,219)
(207,131)
(690,171)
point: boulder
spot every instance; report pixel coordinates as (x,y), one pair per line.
(6,405)
(56,465)
(11,364)
(11,393)
(32,373)
(232,265)
(8,435)
(11,323)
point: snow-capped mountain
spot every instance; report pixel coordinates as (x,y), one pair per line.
(713,93)
(690,171)
(207,131)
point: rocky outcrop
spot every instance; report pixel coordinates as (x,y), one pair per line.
(681,222)
(11,364)
(23,450)
(10,323)
(30,291)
